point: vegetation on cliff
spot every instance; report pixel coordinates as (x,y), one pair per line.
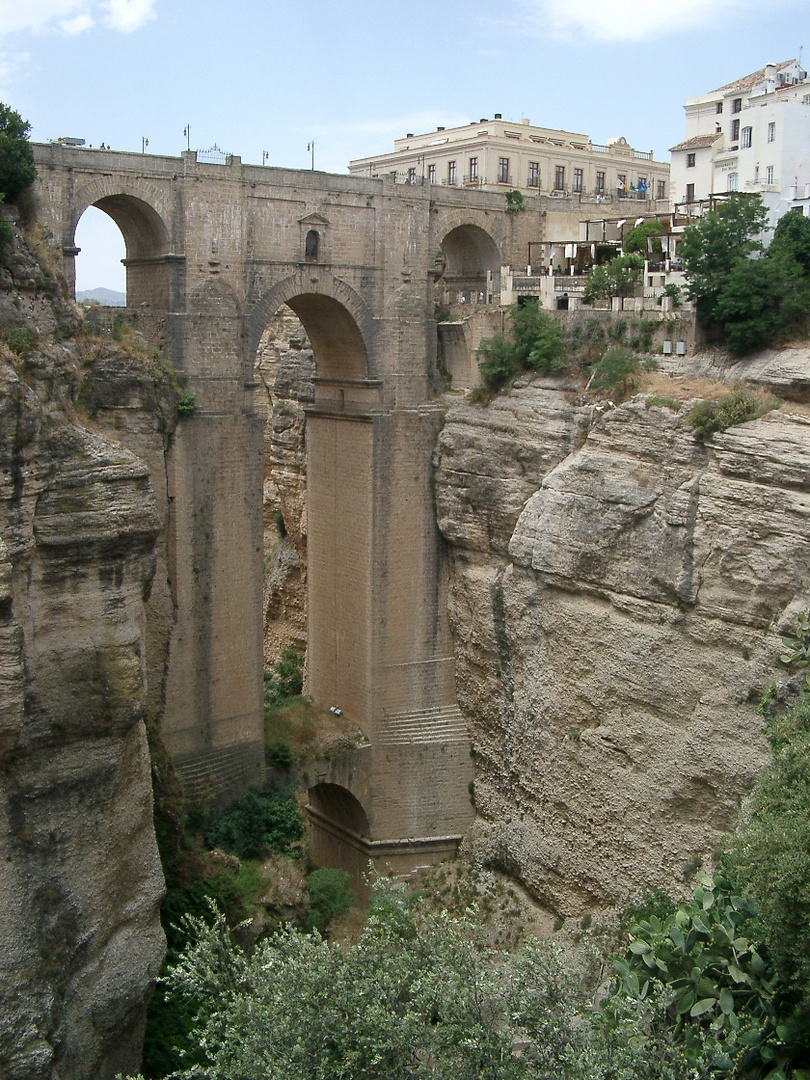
(747,297)
(17,170)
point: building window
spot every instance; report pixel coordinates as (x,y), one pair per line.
(621,183)
(559,177)
(718,108)
(690,161)
(451,172)
(735,130)
(577,179)
(769,175)
(431,174)
(731,184)
(534,174)
(772,131)
(736,105)
(600,183)
(661,189)
(411,176)
(690,192)
(473,168)
(746,137)
(503,170)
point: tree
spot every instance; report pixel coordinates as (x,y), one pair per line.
(712,248)
(536,342)
(619,277)
(17,170)
(636,239)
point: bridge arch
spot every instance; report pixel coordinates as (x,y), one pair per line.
(337,321)
(339,831)
(472,260)
(138,211)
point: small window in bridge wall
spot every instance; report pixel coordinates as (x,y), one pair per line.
(312,245)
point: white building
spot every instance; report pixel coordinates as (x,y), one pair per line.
(752,135)
(500,154)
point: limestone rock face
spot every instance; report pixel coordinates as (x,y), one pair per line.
(618,591)
(285,368)
(81,884)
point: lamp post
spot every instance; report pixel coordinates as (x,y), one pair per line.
(265,156)
(187,134)
(311,148)
(144,144)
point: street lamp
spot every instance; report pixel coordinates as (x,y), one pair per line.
(144,144)
(311,148)
(187,134)
(265,156)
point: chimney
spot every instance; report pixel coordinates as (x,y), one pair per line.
(498,116)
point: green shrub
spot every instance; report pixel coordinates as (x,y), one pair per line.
(278,521)
(263,818)
(718,990)
(19,341)
(497,361)
(278,754)
(186,404)
(663,402)
(737,407)
(330,894)
(618,371)
(286,678)
(6,238)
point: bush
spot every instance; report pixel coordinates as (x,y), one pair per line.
(278,754)
(330,894)
(617,372)
(263,818)
(286,678)
(186,404)
(737,407)
(536,342)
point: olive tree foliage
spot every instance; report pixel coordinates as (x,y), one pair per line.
(16,156)
(419,996)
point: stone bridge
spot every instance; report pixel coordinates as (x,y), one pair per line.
(212,252)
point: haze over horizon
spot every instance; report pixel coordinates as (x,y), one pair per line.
(272,78)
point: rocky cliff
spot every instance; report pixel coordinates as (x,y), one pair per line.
(618,591)
(83,632)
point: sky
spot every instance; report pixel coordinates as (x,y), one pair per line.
(257,77)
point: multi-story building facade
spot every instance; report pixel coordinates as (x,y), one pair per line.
(500,154)
(752,135)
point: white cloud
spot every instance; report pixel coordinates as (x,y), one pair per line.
(72,17)
(77,24)
(129,15)
(618,21)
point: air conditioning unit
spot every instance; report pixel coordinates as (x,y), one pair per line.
(680,348)
(667,350)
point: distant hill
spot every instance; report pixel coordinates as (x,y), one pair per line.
(105,297)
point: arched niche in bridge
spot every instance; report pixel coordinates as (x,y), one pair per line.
(340,807)
(472,263)
(338,828)
(146,242)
